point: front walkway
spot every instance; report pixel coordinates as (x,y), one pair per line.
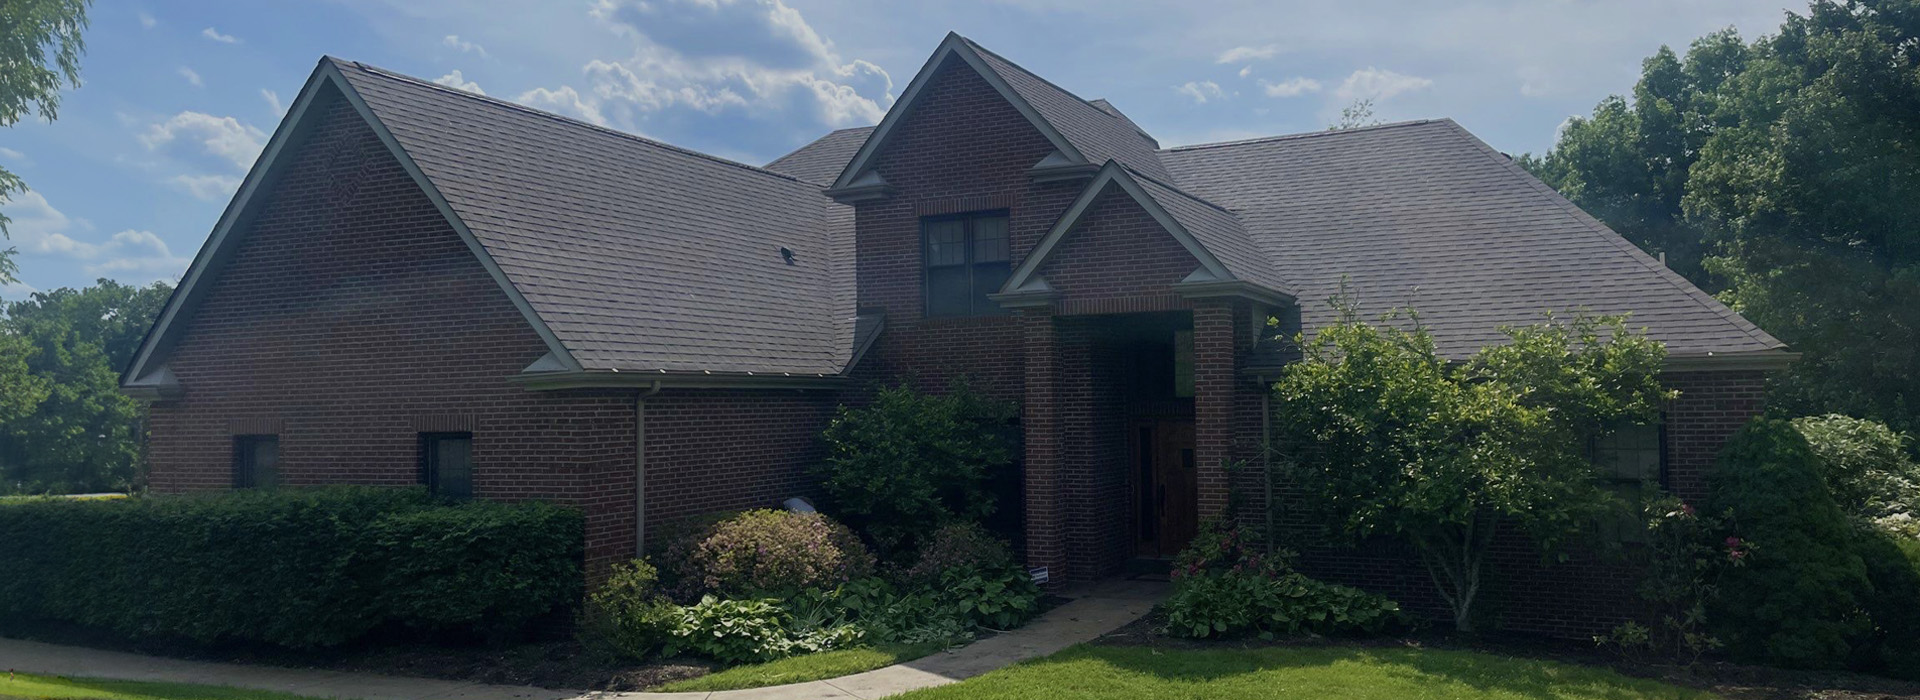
(1093,611)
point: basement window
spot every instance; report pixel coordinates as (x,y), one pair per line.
(446,464)
(256,461)
(966,257)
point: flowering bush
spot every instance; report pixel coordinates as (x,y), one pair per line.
(769,553)
(1683,562)
(957,547)
(1866,466)
(1223,546)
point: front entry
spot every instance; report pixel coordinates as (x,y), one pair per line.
(1166,498)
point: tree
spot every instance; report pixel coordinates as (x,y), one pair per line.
(82,434)
(1785,174)
(1387,437)
(30,30)
(1355,115)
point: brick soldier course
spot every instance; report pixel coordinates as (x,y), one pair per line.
(650,333)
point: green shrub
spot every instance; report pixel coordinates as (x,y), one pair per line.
(1867,468)
(769,553)
(1683,561)
(292,567)
(1000,598)
(627,614)
(909,463)
(1245,603)
(958,547)
(731,631)
(1222,546)
(1799,599)
(1893,566)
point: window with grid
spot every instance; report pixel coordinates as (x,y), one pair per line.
(1628,460)
(256,461)
(446,464)
(967,257)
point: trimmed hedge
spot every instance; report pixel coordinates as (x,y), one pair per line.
(293,567)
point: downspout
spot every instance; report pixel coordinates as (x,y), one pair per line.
(640,468)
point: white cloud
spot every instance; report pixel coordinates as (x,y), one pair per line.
(758,57)
(215,35)
(1291,87)
(1246,70)
(224,138)
(211,188)
(273,102)
(192,77)
(147,21)
(1239,54)
(16,290)
(40,229)
(453,41)
(458,82)
(564,100)
(1201,91)
(14,155)
(1378,84)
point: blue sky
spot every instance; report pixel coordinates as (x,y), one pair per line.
(179,96)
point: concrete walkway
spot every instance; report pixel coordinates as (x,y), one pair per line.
(1093,611)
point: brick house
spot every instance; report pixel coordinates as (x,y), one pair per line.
(418,284)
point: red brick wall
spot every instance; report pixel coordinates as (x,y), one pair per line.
(352,317)
(1117,259)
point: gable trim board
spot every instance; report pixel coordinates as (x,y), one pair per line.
(147,375)
(854,182)
(1026,287)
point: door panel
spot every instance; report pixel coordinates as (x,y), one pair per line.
(1168,486)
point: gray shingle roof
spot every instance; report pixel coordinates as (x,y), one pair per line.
(822,160)
(638,255)
(1220,232)
(1424,214)
(1100,134)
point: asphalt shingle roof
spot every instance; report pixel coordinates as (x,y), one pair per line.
(1100,134)
(822,160)
(1220,232)
(1424,214)
(638,255)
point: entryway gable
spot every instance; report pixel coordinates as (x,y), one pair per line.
(148,376)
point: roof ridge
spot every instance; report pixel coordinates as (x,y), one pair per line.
(1176,190)
(376,70)
(1303,135)
(1595,226)
(1036,76)
(815,140)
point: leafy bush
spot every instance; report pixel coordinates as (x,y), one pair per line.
(769,552)
(958,547)
(1893,567)
(1246,603)
(1799,600)
(1222,546)
(1682,563)
(1866,466)
(1000,598)
(293,567)
(627,614)
(909,463)
(731,631)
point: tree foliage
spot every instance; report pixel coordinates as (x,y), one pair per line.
(61,352)
(40,45)
(1783,173)
(1388,437)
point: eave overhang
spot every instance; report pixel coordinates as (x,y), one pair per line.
(1762,360)
(614,379)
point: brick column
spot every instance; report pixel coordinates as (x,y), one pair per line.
(1213,387)
(1041,421)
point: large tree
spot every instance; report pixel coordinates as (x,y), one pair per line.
(40,47)
(1785,174)
(81,434)
(1385,437)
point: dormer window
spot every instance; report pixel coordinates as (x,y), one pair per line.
(967,257)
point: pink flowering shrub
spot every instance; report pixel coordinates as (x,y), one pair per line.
(960,547)
(1222,546)
(768,553)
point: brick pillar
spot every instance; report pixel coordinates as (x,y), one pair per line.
(1213,387)
(1041,421)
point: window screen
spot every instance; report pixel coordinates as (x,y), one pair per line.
(446,464)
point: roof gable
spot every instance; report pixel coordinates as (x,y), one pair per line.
(1083,135)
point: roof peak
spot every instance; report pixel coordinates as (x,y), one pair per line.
(1306,135)
(1036,76)
(515,106)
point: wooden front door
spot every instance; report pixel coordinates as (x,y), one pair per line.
(1168,489)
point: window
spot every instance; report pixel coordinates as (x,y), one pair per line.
(1628,460)
(967,257)
(1183,364)
(446,464)
(256,461)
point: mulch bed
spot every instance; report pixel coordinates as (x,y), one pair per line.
(551,663)
(1734,681)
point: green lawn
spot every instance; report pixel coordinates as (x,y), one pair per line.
(36,687)
(800,669)
(1317,673)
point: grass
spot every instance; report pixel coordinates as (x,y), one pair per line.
(1321,673)
(13,686)
(800,669)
